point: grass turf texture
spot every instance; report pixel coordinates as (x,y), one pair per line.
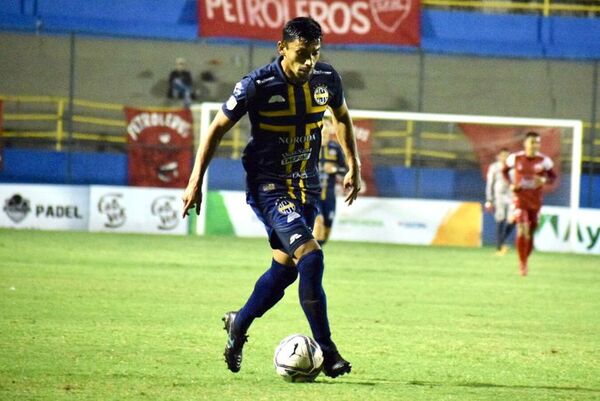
(133,317)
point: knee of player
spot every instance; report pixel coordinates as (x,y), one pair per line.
(305,249)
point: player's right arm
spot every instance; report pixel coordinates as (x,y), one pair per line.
(508,165)
(192,196)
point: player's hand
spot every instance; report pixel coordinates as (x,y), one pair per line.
(488,207)
(539,181)
(329,168)
(352,185)
(514,188)
(192,196)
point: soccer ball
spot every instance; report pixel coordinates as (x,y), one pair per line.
(298,358)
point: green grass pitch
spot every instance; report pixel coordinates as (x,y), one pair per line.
(132,317)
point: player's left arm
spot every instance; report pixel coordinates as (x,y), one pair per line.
(346,138)
(549,175)
(341,167)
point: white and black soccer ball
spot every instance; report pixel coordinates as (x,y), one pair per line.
(298,358)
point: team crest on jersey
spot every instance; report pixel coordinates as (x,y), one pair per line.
(321,95)
(285,207)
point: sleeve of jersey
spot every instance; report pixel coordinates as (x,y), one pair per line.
(508,165)
(337,99)
(549,167)
(237,105)
(489,184)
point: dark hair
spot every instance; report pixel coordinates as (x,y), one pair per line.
(504,150)
(302,28)
(531,134)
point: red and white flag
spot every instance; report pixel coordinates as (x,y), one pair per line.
(160,146)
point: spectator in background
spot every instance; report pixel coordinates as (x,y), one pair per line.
(181,85)
(498,199)
(331,165)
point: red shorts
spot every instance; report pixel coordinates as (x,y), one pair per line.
(526,216)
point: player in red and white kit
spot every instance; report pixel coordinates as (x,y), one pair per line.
(531,171)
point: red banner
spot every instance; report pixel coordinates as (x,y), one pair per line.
(395,22)
(487,140)
(363,130)
(160,145)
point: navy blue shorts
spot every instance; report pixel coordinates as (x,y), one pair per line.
(327,210)
(288,221)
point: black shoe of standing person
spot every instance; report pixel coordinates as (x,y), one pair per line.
(235,343)
(334,365)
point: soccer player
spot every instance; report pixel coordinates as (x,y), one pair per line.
(331,165)
(531,170)
(498,199)
(285,100)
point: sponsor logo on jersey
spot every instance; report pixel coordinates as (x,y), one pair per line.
(294,237)
(164,208)
(285,207)
(300,174)
(289,158)
(321,72)
(16,208)
(299,139)
(321,95)
(263,81)
(237,90)
(231,103)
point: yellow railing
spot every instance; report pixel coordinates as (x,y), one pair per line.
(545,7)
(57,119)
(89,115)
(408,151)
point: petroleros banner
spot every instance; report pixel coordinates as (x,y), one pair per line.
(159,144)
(395,22)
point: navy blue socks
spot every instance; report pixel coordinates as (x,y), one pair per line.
(268,290)
(312,297)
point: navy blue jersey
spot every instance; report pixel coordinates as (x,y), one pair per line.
(286,120)
(331,153)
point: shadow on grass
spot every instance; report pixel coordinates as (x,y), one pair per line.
(492,385)
(374,382)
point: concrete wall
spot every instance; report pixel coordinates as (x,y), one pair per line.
(135,72)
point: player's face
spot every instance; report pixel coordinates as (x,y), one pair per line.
(532,145)
(299,58)
(502,156)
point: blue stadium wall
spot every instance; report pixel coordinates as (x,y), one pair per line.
(513,35)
